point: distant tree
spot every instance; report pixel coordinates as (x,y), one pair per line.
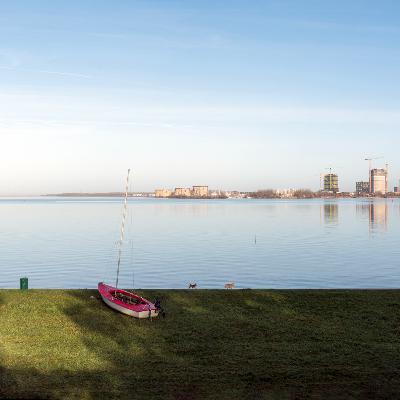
(304,194)
(264,194)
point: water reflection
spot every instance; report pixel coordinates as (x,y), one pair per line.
(331,213)
(70,243)
(378,215)
(362,210)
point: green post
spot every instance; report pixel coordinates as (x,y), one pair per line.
(23,283)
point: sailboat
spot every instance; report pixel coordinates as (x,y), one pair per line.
(122,300)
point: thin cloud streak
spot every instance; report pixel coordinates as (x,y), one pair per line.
(61,73)
(185,117)
(188,40)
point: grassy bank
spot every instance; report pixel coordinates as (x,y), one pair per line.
(247,344)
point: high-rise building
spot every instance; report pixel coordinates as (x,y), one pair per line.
(362,187)
(331,183)
(379,181)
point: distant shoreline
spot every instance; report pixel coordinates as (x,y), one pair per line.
(108,194)
(130,194)
(151,195)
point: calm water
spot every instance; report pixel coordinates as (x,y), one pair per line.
(72,243)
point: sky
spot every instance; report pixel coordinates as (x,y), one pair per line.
(231,94)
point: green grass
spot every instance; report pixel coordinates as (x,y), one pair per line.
(239,344)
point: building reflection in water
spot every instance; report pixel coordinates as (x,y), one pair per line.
(331,213)
(377,214)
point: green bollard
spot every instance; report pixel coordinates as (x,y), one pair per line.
(23,283)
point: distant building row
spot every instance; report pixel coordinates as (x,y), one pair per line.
(378,183)
(196,191)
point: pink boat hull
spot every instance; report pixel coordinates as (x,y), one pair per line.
(141,309)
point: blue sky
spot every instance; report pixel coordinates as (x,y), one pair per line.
(233,94)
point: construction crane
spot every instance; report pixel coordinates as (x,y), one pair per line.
(330,169)
(321,180)
(370,159)
(387,178)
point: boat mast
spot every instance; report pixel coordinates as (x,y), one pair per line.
(122,227)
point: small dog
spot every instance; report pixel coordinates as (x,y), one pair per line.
(193,285)
(229,285)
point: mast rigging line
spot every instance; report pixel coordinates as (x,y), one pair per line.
(130,211)
(122,227)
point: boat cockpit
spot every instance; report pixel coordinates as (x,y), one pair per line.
(127,299)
